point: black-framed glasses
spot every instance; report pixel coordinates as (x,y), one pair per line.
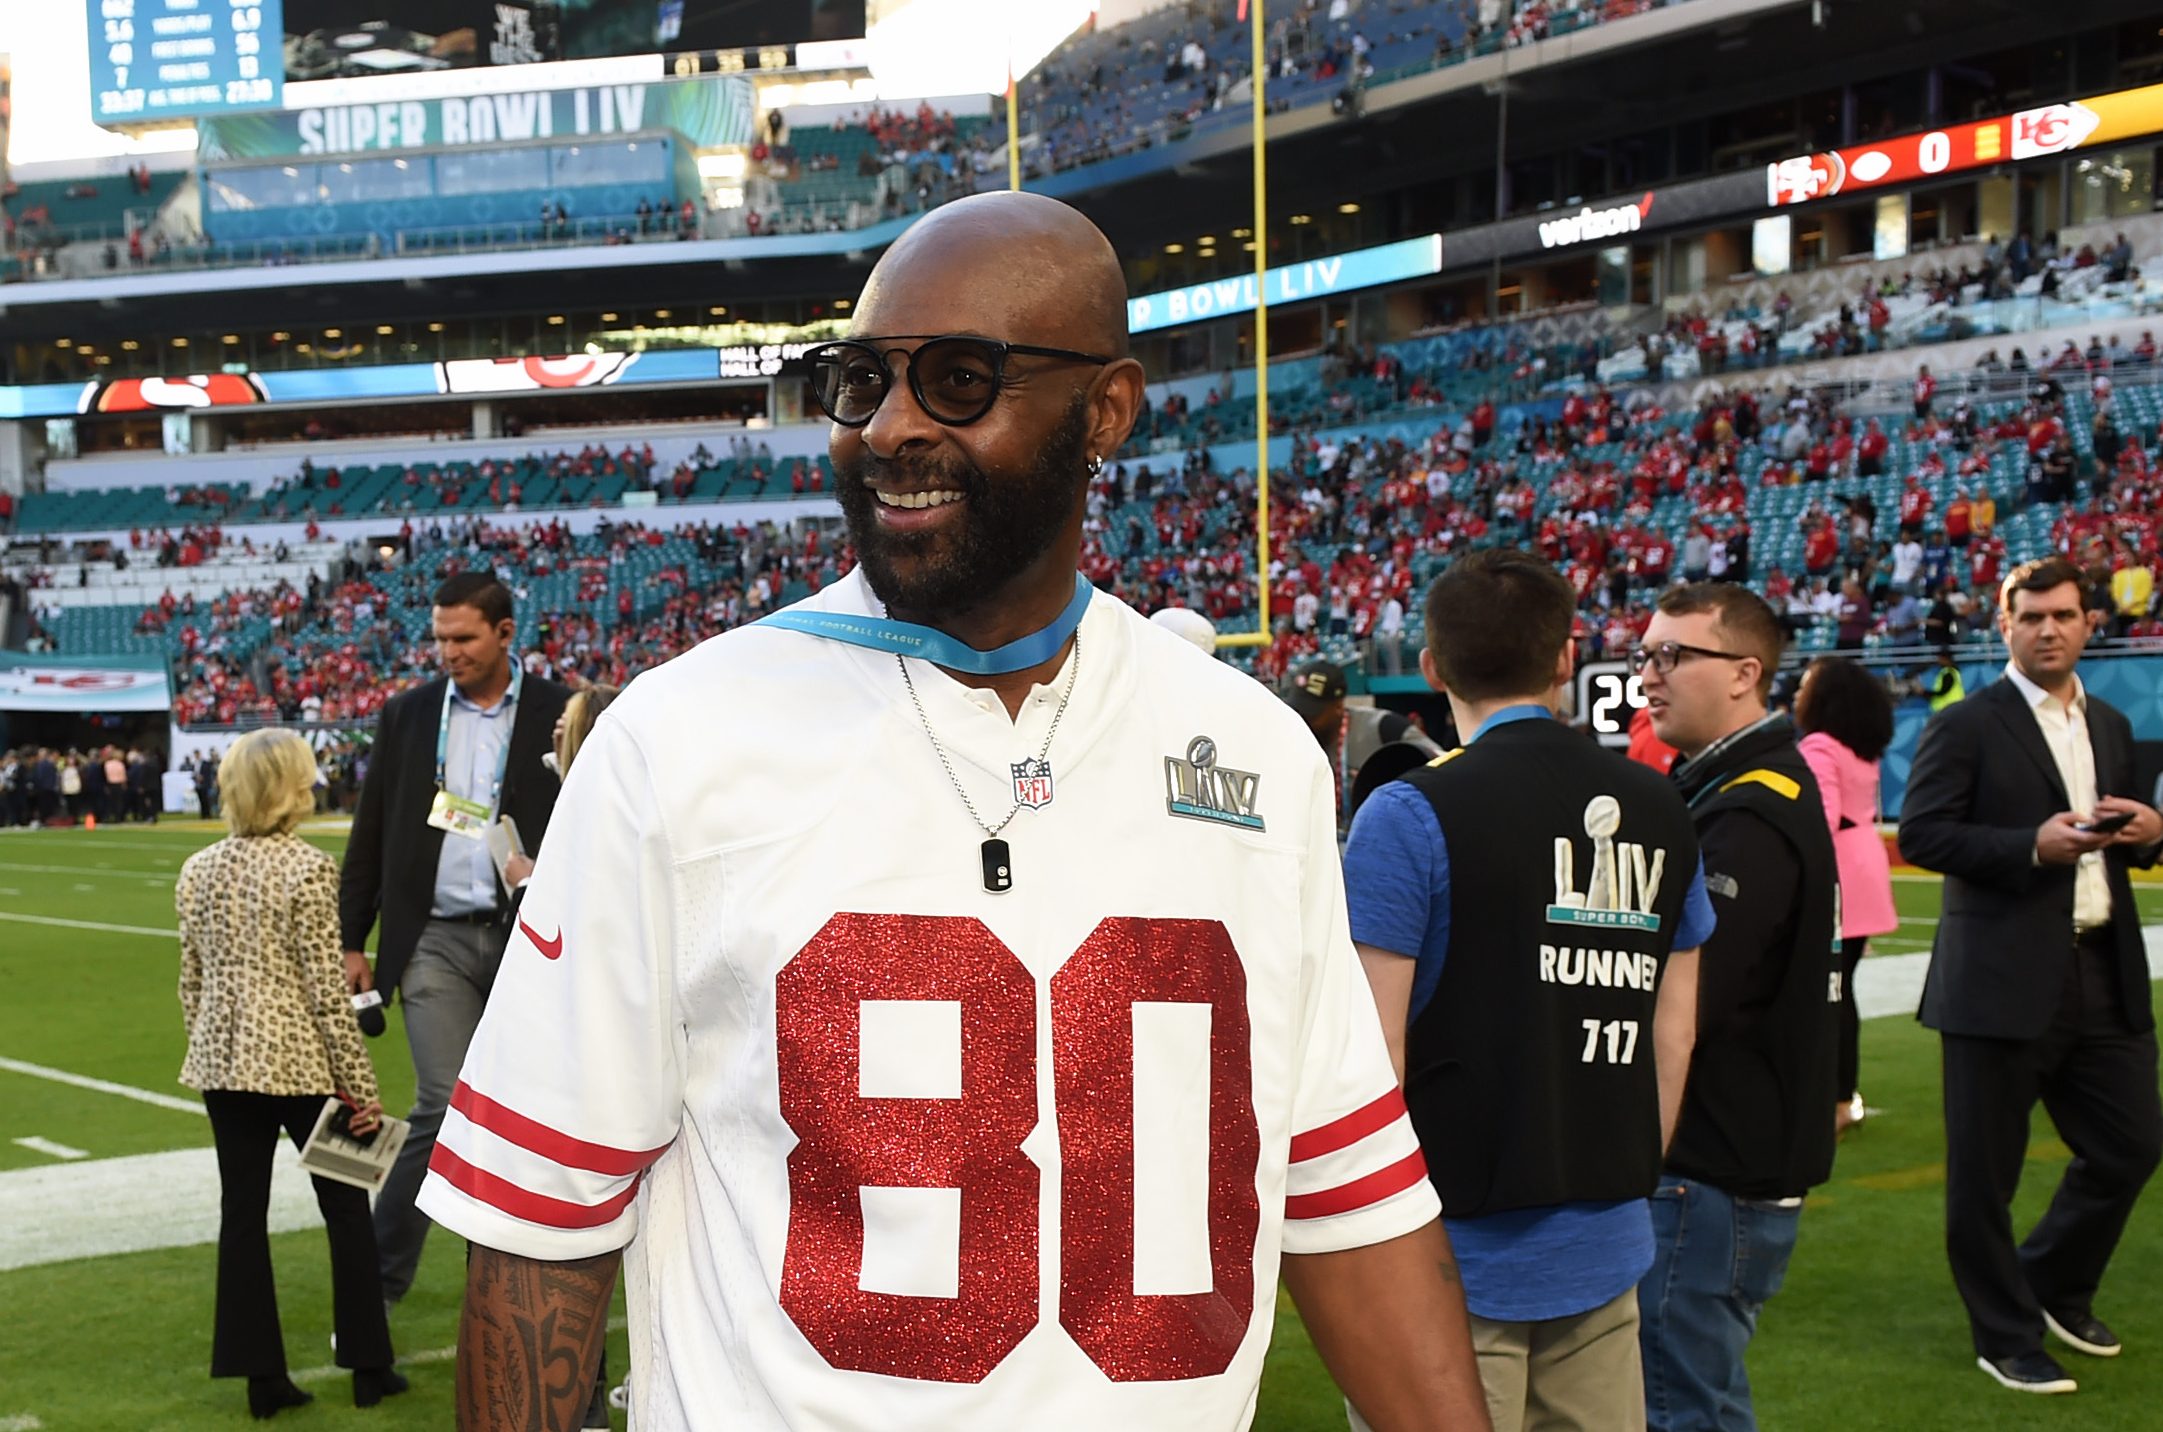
(1667,655)
(956,377)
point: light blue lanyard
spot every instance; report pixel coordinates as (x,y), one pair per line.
(935,646)
(443,735)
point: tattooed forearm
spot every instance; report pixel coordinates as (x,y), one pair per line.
(529,1345)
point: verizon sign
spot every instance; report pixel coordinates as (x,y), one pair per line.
(1589,223)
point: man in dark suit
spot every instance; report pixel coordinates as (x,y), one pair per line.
(144,774)
(45,786)
(2038,982)
(450,757)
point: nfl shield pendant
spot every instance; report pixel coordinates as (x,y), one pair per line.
(1032,783)
(998,867)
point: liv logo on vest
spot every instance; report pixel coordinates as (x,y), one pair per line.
(1625,884)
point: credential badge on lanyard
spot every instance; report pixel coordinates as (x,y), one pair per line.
(455,814)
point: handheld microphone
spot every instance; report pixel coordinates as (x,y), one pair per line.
(368,1009)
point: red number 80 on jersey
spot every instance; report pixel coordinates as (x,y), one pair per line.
(854,1144)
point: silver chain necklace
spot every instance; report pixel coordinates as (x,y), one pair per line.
(998,859)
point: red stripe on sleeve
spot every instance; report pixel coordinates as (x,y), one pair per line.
(538,1138)
(1343,1133)
(507,1197)
(1346,1197)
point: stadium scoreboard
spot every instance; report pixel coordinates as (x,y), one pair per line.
(174,59)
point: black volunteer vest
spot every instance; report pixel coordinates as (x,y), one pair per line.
(1754,1111)
(1530,1073)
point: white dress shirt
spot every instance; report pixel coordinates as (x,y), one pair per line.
(2065,730)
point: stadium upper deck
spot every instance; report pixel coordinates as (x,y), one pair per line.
(1685,279)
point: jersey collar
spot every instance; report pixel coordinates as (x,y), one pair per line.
(1525,711)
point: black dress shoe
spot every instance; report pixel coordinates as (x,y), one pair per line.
(2083,1332)
(372,1384)
(268,1396)
(2028,1372)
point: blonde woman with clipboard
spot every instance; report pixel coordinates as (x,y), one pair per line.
(271,1036)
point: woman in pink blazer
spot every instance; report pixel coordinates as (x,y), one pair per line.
(1847,722)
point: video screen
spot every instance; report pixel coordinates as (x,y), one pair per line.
(176,59)
(341,39)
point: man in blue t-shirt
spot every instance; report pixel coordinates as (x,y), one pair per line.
(1550,1269)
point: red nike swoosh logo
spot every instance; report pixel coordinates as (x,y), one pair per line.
(550,949)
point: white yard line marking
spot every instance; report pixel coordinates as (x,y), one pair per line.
(102,1086)
(99,1207)
(21,1422)
(100,873)
(119,835)
(1893,984)
(89,925)
(38,1145)
(405,1359)
(2140,888)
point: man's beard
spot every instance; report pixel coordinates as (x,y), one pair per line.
(1007,521)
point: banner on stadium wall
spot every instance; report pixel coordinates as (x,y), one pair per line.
(2023,134)
(1616,221)
(1293,283)
(577,370)
(477,376)
(31,682)
(710,112)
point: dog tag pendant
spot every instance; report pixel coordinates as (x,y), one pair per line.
(998,867)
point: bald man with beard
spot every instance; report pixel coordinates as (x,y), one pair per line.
(938,997)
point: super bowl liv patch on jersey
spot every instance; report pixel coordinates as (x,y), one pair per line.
(1196,787)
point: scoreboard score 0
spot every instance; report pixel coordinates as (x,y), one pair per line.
(173,59)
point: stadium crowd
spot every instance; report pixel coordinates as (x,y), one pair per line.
(1624,496)
(336,651)
(1749,333)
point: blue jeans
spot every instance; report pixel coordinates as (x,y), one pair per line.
(1716,1261)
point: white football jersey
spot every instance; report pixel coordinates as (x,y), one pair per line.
(893,1151)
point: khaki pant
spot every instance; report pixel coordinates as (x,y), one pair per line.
(1578,1374)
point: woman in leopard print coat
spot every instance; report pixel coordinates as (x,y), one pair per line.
(271,1035)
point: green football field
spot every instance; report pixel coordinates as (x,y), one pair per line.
(1867,1333)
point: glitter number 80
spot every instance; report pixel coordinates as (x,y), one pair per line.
(849,1141)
